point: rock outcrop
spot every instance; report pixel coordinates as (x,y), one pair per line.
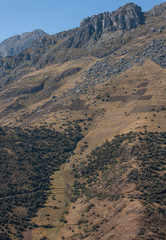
(14,45)
(125,18)
(157,52)
(98,36)
(91,29)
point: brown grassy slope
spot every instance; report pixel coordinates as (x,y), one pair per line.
(17,106)
(133,100)
(134,114)
(110,117)
(115,196)
(120,117)
(142,108)
(21,97)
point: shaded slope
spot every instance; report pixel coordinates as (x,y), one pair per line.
(16,44)
(28,159)
(114,83)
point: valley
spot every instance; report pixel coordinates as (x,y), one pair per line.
(83,132)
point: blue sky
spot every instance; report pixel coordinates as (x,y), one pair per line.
(52,16)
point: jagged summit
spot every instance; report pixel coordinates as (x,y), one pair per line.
(127,17)
(98,36)
(83,131)
(91,28)
(14,45)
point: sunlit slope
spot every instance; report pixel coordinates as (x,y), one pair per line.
(116,87)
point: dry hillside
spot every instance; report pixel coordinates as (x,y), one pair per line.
(84,134)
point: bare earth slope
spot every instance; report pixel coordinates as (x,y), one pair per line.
(111,84)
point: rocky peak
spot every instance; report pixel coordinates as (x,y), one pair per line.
(14,45)
(92,28)
(125,18)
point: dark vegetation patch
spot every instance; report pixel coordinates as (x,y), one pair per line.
(56,82)
(104,175)
(150,181)
(145,84)
(158,108)
(11,108)
(33,89)
(28,158)
(78,104)
(15,106)
(67,73)
(141,92)
(141,108)
(146,97)
(118,98)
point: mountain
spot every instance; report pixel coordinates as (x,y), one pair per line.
(97,36)
(16,44)
(83,131)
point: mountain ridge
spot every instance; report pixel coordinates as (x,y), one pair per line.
(16,44)
(114,20)
(87,40)
(85,126)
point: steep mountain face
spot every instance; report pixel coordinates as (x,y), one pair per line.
(91,29)
(16,44)
(98,36)
(83,131)
(125,18)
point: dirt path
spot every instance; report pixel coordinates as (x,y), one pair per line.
(50,219)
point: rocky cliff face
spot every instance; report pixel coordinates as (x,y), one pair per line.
(99,36)
(125,18)
(92,28)
(14,45)
(106,79)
